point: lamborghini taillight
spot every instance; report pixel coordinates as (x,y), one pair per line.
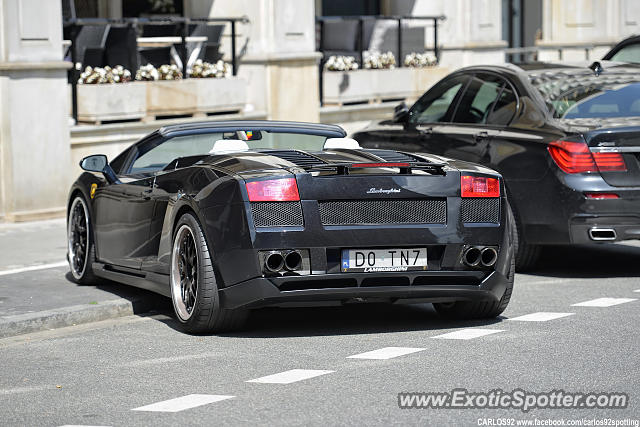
(273,190)
(479,186)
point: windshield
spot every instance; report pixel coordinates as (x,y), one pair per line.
(156,156)
(590,96)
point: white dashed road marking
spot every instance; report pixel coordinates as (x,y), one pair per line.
(386,353)
(637,290)
(540,317)
(288,377)
(604,302)
(34,268)
(468,334)
(181,403)
(27,389)
(80,425)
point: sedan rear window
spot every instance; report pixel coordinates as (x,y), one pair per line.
(629,53)
(572,96)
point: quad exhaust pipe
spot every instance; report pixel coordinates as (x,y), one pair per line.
(277,261)
(489,257)
(472,256)
(602,234)
(476,256)
(273,262)
(293,261)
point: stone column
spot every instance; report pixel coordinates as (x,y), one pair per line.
(278,56)
(34,132)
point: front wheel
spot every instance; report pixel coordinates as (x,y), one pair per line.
(80,248)
(194,290)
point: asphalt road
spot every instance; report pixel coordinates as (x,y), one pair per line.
(103,373)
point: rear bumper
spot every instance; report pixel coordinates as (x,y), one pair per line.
(604,228)
(566,215)
(441,286)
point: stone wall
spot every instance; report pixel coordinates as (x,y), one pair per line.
(471,34)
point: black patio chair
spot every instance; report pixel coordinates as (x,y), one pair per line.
(121,47)
(340,37)
(158,56)
(209,50)
(90,45)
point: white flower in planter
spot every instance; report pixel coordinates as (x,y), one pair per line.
(420,60)
(377,60)
(164,72)
(99,75)
(341,63)
(147,73)
(203,69)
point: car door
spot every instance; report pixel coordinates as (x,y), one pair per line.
(429,117)
(435,107)
(486,105)
(123,215)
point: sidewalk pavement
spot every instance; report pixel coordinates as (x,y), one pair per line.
(36,292)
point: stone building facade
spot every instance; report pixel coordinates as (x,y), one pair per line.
(39,148)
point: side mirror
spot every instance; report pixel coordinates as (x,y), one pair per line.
(95,163)
(98,163)
(401,113)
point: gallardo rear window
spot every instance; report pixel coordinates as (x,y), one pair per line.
(575,95)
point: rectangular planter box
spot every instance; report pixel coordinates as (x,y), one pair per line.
(375,85)
(191,96)
(117,101)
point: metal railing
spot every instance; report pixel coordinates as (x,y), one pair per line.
(360,48)
(74,26)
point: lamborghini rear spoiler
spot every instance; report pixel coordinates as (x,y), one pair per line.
(406,168)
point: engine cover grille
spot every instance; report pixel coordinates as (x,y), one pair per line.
(366,212)
(480,210)
(277,214)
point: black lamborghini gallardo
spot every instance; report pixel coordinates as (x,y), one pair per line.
(224,217)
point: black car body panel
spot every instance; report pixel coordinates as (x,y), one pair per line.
(133,221)
(552,206)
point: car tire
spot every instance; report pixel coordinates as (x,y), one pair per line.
(194,288)
(80,247)
(527,255)
(463,310)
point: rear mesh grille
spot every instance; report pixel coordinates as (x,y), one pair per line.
(277,214)
(480,210)
(364,212)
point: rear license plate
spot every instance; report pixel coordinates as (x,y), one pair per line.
(380,260)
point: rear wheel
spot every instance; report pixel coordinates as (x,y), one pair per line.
(527,255)
(80,248)
(483,309)
(194,290)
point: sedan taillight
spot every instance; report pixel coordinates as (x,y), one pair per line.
(575,157)
(273,190)
(610,162)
